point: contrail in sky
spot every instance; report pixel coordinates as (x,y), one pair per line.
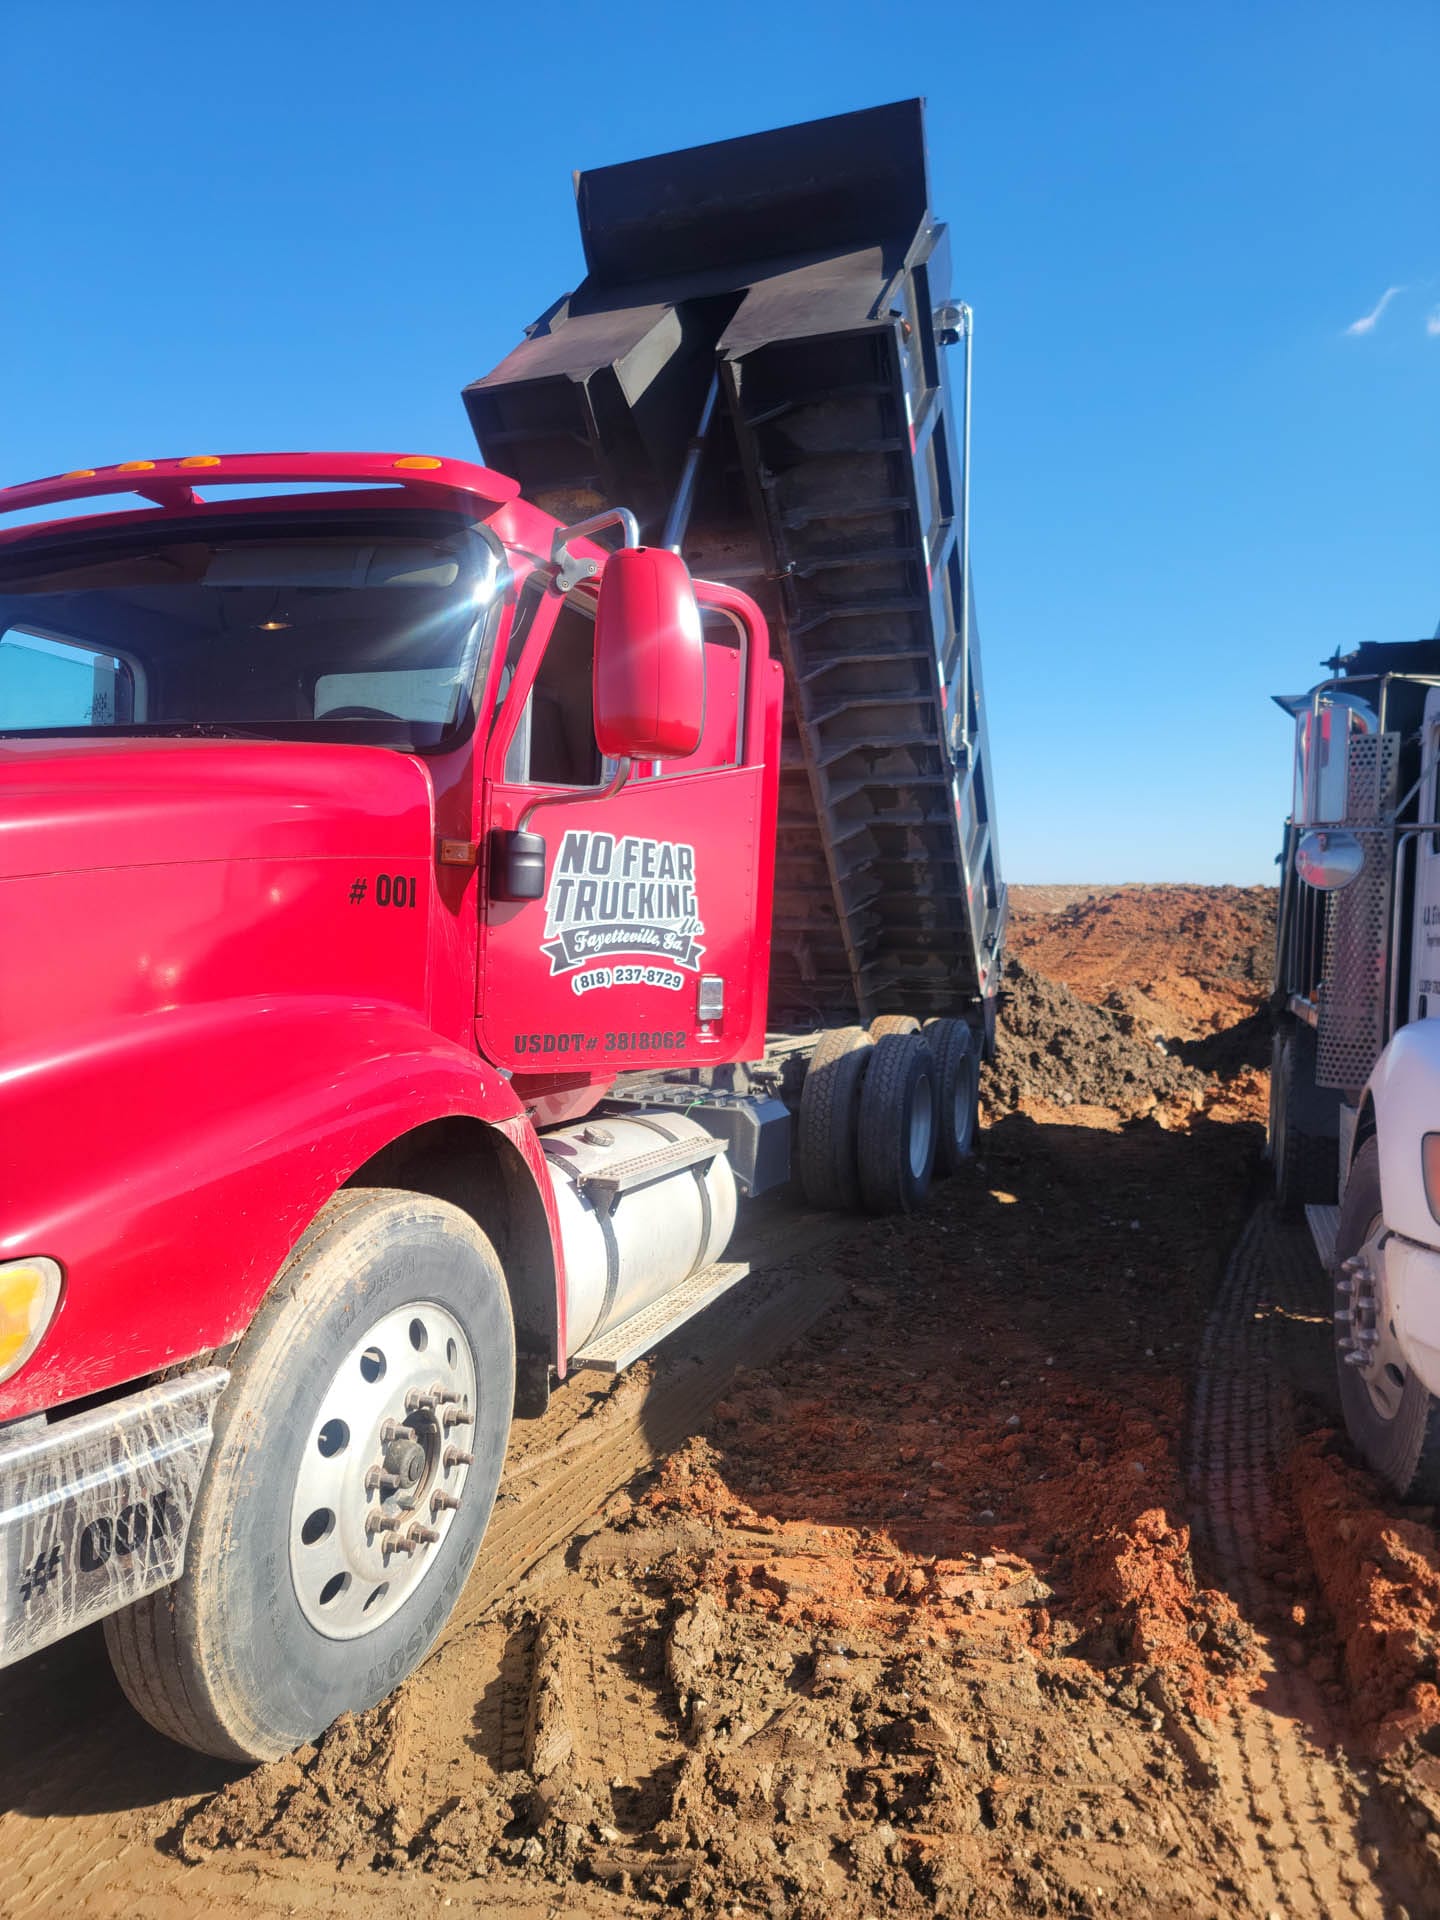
(1368,322)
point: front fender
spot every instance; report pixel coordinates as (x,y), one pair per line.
(1405,1092)
(171,1161)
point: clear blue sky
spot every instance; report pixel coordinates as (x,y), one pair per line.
(266,226)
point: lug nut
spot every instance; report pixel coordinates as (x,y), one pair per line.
(1356,1359)
(442,1396)
(422,1536)
(440,1500)
(418,1402)
(1343,1316)
(377,1480)
(456,1417)
(457,1457)
(399,1543)
(381,1518)
(394,1430)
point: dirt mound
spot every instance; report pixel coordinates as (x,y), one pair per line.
(1054,1047)
(1379,1572)
(1190,960)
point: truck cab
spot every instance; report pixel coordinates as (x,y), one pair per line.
(390,1020)
(354,842)
(1355,1084)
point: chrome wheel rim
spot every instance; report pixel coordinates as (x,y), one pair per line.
(1364,1326)
(384,1470)
(922,1125)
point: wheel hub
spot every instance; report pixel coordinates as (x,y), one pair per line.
(384,1470)
(1364,1328)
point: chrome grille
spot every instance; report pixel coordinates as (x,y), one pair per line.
(1351,1028)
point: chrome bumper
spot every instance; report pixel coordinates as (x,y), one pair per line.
(95,1509)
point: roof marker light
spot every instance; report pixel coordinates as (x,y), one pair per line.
(422,462)
(79,473)
(201,460)
(136,466)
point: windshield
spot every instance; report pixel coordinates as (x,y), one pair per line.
(365,628)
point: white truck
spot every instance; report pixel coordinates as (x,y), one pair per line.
(1354,1131)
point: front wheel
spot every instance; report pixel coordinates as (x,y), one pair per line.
(357,1452)
(1392,1417)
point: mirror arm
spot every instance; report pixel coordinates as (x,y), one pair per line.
(570,569)
(571,799)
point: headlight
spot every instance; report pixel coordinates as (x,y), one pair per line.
(29,1295)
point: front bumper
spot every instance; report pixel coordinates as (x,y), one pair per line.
(95,1509)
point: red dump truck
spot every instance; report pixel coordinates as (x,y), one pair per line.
(428,912)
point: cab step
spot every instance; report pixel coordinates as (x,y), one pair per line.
(642,1169)
(1324,1225)
(626,1343)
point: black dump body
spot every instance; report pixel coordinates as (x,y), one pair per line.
(798,278)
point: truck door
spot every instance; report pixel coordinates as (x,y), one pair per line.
(1425,936)
(651,944)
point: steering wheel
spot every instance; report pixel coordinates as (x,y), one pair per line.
(357,713)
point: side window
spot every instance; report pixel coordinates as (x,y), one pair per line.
(46,682)
(554,743)
(724,690)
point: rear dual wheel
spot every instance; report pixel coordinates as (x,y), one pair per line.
(897,1123)
(357,1451)
(885,1109)
(957,1095)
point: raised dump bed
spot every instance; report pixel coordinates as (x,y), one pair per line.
(756,364)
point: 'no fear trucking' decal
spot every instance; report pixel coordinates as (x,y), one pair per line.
(625,896)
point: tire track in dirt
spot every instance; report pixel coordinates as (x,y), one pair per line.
(1301,1815)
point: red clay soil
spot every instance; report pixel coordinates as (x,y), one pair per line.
(913,1547)
(1379,1571)
(911,1624)
(1184,961)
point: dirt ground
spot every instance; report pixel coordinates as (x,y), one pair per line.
(1025,1574)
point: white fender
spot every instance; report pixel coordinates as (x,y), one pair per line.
(1405,1089)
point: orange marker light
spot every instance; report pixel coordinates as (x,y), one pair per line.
(201,460)
(418,461)
(79,473)
(136,466)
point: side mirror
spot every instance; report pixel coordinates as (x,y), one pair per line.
(517,864)
(1328,858)
(649,658)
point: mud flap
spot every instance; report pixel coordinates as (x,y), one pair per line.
(95,1509)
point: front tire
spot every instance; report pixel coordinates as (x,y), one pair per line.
(1390,1415)
(357,1452)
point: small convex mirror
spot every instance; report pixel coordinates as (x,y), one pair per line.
(1327,858)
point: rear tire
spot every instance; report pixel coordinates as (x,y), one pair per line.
(828,1148)
(1403,1448)
(897,1125)
(258,1647)
(957,1093)
(884,1023)
(1304,1163)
